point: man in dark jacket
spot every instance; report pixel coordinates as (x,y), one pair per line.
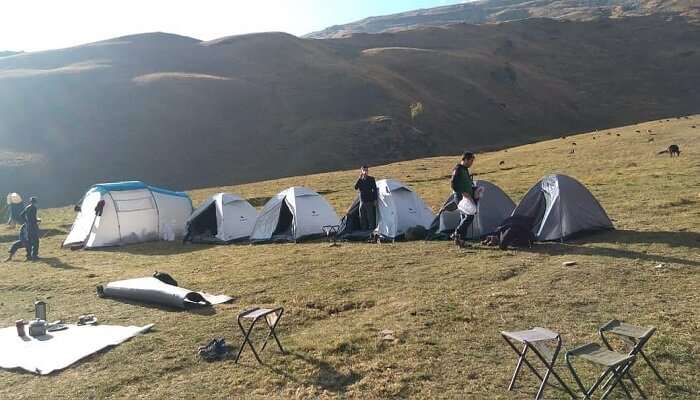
(368,199)
(463,186)
(32,223)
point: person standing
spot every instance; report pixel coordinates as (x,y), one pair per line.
(32,222)
(368,199)
(14,208)
(463,187)
(20,243)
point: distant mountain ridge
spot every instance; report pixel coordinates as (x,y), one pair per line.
(181,113)
(492,11)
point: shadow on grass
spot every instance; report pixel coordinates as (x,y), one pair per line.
(158,248)
(199,310)
(55,262)
(327,377)
(673,239)
(630,237)
(44,233)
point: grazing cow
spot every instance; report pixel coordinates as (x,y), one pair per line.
(617,134)
(638,131)
(502,163)
(650,140)
(674,150)
(572,151)
(573,144)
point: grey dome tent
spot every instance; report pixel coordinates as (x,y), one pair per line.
(293,214)
(561,207)
(398,209)
(223,218)
(491,210)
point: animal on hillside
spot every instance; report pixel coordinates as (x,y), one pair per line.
(638,131)
(594,138)
(573,144)
(501,163)
(693,126)
(650,140)
(618,134)
(572,151)
(609,133)
(673,150)
(649,130)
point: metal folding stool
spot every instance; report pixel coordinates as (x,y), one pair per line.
(271,316)
(635,337)
(536,339)
(616,365)
(331,232)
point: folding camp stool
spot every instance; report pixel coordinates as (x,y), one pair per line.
(331,232)
(635,337)
(271,316)
(615,364)
(536,339)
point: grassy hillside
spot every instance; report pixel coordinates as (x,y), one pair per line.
(180,113)
(445,305)
(497,11)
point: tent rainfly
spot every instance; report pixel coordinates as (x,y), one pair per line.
(561,207)
(398,209)
(114,214)
(492,209)
(223,218)
(294,214)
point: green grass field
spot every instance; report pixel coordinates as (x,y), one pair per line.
(445,305)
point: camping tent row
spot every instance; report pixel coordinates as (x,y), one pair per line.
(129,212)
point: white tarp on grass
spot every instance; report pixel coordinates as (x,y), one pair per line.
(57,350)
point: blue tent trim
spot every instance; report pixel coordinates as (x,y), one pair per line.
(168,192)
(135,185)
(119,186)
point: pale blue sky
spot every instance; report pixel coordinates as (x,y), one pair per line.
(32,25)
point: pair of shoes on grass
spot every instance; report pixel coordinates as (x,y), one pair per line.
(216,349)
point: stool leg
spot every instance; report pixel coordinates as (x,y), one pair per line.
(662,380)
(246,339)
(518,366)
(273,333)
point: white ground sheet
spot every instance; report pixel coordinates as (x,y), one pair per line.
(58,350)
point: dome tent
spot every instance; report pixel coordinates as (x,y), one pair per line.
(113,214)
(492,209)
(223,218)
(561,207)
(293,214)
(398,209)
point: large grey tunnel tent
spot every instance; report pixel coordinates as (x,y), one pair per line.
(223,218)
(113,214)
(293,214)
(398,209)
(561,207)
(492,209)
